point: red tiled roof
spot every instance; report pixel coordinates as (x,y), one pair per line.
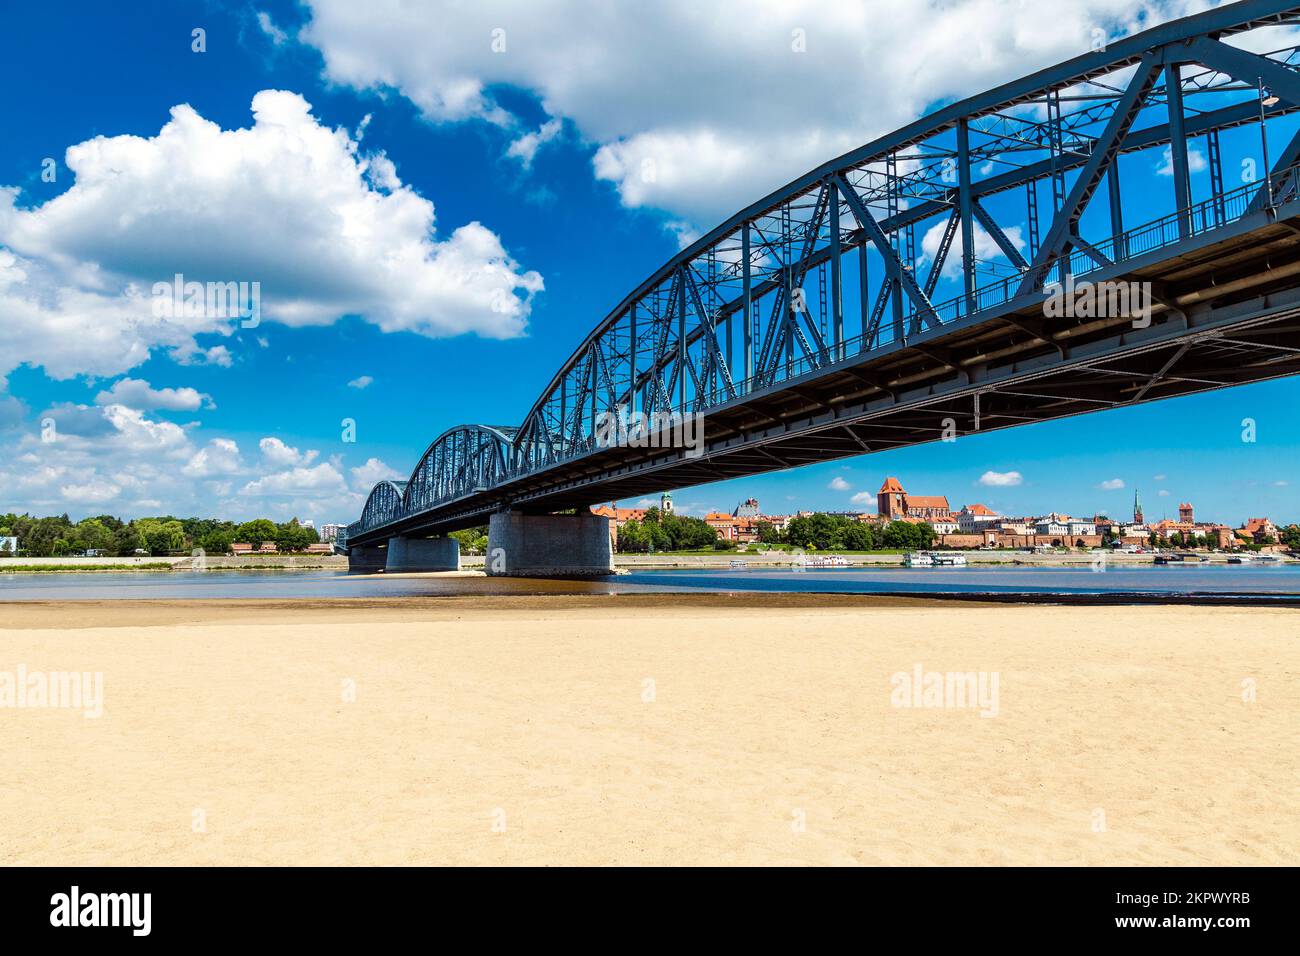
(927,501)
(619,514)
(891,486)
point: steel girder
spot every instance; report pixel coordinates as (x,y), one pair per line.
(846,229)
(461,461)
(382,505)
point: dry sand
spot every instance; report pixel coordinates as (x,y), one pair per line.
(517,731)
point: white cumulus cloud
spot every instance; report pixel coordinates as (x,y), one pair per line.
(278,455)
(219,457)
(324,477)
(1001,479)
(701,109)
(326,230)
(138,393)
(373,471)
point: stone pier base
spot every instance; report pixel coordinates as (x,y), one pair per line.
(366,559)
(422,554)
(549,546)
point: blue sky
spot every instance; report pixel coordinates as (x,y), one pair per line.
(534,144)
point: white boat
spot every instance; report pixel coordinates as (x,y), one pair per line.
(828,561)
(918,559)
(1240,559)
(740,564)
(944,560)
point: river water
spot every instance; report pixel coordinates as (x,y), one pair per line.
(1265,583)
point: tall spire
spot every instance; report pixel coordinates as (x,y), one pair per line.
(1137,508)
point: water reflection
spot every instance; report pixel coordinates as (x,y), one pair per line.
(1218,579)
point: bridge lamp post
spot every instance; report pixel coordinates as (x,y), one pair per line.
(1266,98)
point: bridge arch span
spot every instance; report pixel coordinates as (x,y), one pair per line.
(382,504)
(461,460)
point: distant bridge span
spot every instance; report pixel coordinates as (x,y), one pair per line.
(808,327)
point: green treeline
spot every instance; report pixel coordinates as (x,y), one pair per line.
(838,533)
(818,532)
(665,532)
(59,536)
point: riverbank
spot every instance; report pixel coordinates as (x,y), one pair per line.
(714,560)
(652,728)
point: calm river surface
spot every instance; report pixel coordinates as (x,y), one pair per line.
(1261,582)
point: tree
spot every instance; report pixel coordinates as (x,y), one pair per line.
(127,540)
(216,541)
(858,537)
(93,535)
(639,537)
(799,531)
(472,540)
(45,537)
(292,536)
(161,535)
(256,532)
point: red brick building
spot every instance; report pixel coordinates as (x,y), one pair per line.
(893,503)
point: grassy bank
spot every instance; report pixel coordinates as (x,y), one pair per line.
(6,567)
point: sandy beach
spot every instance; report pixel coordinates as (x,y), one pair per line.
(652,729)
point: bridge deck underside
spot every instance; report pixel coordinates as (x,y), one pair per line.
(1228,314)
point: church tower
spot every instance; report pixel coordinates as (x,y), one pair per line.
(666,503)
(1137,508)
(891,500)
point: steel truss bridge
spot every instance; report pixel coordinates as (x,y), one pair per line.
(811,326)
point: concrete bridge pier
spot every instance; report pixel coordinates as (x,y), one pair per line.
(422,554)
(549,546)
(366,559)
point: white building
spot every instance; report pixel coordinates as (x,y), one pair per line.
(1063,526)
(973,519)
(1015,526)
(329,533)
(1052,524)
